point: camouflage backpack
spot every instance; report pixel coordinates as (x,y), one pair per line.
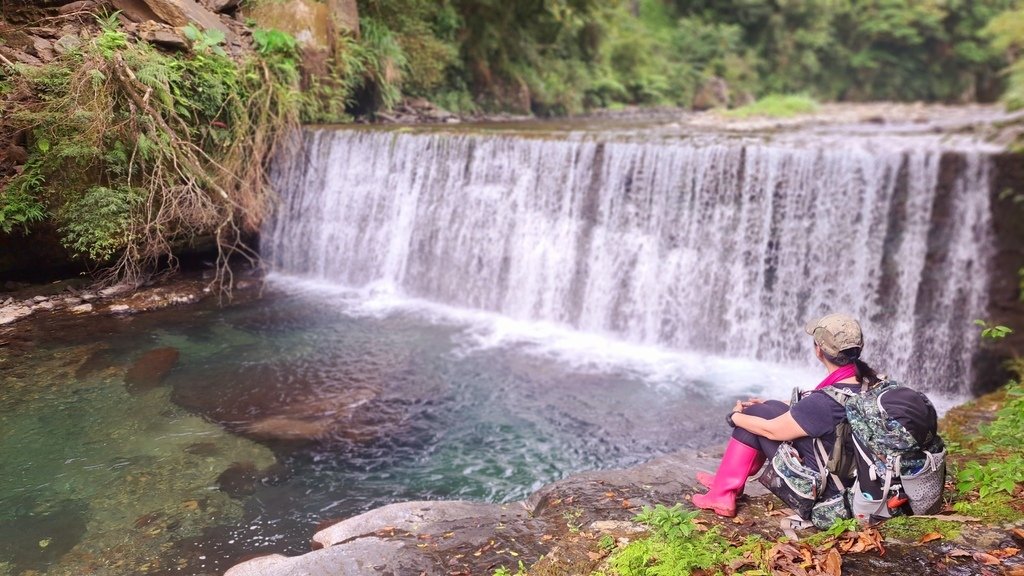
(898,459)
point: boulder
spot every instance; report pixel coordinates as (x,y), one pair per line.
(458,537)
(43,49)
(150,369)
(19,55)
(164,37)
(115,290)
(76,7)
(315,420)
(67,43)
(221,6)
(119,309)
(136,10)
(306,20)
(16,155)
(11,314)
(181,13)
(714,93)
(345,14)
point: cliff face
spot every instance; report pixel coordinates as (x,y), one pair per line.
(1006,297)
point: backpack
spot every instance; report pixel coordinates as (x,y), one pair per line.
(898,460)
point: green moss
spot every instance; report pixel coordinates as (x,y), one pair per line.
(911,529)
(777,106)
(996,508)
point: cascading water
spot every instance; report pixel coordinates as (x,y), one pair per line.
(721,245)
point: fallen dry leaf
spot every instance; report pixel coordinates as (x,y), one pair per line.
(1004,552)
(833,563)
(958,552)
(987,559)
(1015,571)
(930,536)
(1018,532)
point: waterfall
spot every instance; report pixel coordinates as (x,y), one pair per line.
(724,245)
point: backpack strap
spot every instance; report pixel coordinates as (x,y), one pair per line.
(821,457)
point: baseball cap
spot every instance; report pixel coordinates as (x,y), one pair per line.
(835,333)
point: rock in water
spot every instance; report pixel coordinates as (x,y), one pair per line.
(150,369)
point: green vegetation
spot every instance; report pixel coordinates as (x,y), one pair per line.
(1006,32)
(677,546)
(913,529)
(838,527)
(503,571)
(134,152)
(984,439)
(987,484)
(566,56)
(776,106)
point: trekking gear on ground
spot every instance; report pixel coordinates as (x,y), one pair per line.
(899,457)
(794,483)
(730,479)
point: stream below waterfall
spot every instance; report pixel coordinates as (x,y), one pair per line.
(473,314)
(104,478)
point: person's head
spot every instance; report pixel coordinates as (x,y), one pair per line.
(837,338)
(838,341)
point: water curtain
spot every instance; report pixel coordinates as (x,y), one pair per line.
(723,245)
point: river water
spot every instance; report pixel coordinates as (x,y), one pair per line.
(103,479)
(473,316)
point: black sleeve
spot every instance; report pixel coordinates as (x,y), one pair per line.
(814,414)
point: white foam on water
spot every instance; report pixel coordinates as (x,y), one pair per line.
(481,331)
(669,371)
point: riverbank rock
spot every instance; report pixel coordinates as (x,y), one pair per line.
(458,537)
(180,13)
(150,369)
(714,93)
(12,313)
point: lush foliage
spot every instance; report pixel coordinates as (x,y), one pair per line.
(1006,32)
(776,106)
(676,546)
(133,152)
(1003,470)
(564,56)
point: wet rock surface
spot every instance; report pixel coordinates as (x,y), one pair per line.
(557,530)
(48,532)
(456,537)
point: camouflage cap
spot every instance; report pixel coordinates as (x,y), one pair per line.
(835,333)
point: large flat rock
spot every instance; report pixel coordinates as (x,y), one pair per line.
(447,537)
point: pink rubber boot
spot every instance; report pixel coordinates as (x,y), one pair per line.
(707,479)
(729,480)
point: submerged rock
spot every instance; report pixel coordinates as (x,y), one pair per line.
(310,420)
(150,369)
(34,535)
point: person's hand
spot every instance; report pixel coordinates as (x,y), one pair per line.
(751,402)
(740,406)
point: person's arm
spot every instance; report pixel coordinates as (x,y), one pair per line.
(781,428)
